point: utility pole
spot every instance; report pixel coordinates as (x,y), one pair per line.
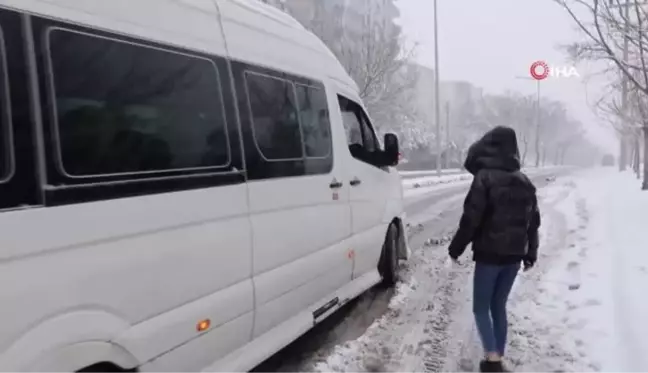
(537,137)
(437,90)
(448,142)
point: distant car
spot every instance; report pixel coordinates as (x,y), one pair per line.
(608,160)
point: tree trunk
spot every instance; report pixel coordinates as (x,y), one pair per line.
(637,157)
(632,156)
(524,153)
(645,160)
(622,153)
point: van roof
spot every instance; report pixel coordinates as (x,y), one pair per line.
(255,32)
(271,12)
(294,48)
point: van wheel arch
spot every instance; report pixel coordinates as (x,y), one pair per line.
(105,367)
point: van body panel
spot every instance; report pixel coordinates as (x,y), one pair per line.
(194,23)
(47,340)
(74,357)
(283,334)
(147,277)
(199,352)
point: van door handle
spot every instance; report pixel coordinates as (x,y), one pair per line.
(355,181)
(335,184)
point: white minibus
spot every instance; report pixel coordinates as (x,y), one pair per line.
(185,185)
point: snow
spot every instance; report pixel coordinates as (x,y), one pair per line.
(434,180)
(447,171)
(618,269)
(432,186)
(414,187)
(582,308)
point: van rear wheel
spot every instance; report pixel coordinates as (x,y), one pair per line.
(388,266)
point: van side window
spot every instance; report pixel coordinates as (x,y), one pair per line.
(20,186)
(6,142)
(126,108)
(285,123)
(314,119)
(360,135)
(290,121)
(275,120)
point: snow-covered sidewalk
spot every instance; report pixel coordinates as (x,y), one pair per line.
(606,265)
(583,308)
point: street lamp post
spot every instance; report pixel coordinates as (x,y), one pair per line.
(436,90)
(447,137)
(537,142)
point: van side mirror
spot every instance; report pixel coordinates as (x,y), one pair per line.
(392,150)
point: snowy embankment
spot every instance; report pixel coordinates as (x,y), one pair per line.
(611,304)
(422,173)
(431,182)
(584,307)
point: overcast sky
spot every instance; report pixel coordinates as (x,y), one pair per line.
(490,42)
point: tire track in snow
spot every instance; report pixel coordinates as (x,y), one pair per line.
(414,336)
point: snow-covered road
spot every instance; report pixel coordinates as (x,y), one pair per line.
(564,314)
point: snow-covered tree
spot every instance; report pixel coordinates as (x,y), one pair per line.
(616,32)
(375,57)
(368,43)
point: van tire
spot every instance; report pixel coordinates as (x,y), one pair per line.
(388,265)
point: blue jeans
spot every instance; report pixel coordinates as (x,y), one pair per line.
(491,287)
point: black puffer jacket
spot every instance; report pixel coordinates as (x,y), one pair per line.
(501,216)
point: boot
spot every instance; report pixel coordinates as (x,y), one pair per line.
(491,366)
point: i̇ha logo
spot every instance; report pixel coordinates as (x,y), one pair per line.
(540,70)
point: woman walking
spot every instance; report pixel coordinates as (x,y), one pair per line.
(501,219)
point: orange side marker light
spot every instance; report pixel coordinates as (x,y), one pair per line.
(203,325)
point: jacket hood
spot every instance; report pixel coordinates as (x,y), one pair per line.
(497,149)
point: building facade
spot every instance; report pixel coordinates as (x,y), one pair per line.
(460,93)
